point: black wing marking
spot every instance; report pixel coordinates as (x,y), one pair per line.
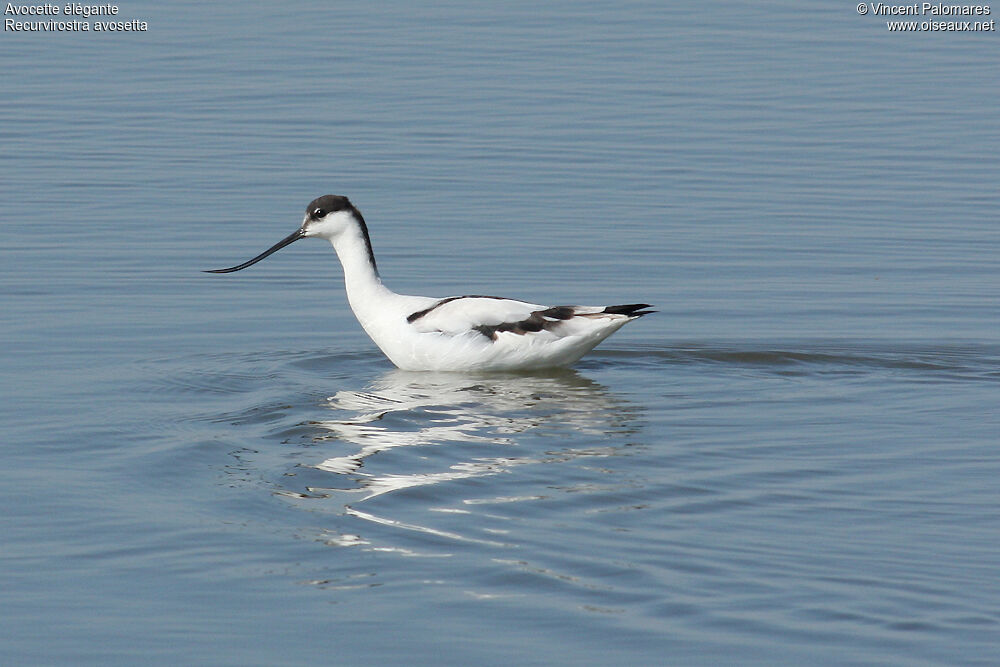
(413,317)
(538,320)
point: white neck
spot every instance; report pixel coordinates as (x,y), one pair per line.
(361,279)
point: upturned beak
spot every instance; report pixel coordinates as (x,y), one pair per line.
(291,238)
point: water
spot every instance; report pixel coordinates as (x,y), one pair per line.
(794,461)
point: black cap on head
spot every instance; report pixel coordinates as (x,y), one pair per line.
(322,206)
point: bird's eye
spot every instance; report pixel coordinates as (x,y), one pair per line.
(318,213)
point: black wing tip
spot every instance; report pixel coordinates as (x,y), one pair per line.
(630,309)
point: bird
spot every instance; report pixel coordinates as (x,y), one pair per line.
(455,333)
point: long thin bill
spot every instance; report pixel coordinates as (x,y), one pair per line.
(291,238)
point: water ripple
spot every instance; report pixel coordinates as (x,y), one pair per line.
(712,480)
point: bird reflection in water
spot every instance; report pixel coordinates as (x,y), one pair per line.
(409,409)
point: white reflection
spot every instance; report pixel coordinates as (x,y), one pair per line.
(406,409)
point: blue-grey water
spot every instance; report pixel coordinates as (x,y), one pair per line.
(796,460)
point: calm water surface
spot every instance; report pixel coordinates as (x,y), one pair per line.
(795,461)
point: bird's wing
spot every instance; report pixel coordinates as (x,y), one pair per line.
(491,316)
(456,315)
